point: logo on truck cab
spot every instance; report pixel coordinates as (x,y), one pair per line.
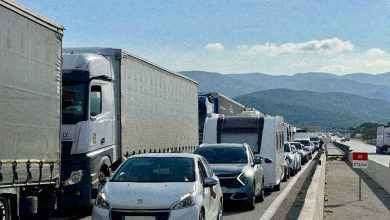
(65,136)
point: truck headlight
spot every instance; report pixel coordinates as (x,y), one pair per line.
(185,201)
(101,201)
(243,178)
(75,177)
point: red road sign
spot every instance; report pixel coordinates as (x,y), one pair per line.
(360,160)
(359,156)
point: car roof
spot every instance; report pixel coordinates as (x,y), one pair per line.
(223,145)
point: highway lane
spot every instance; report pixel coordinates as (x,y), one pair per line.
(233,211)
(357,145)
(272,200)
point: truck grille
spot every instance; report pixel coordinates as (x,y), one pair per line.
(66,147)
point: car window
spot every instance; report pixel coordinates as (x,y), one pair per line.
(207,167)
(202,171)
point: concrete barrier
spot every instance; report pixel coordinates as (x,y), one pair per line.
(313,207)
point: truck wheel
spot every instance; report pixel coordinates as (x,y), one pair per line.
(5,209)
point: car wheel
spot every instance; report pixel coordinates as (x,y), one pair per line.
(251,202)
(292,172)
(220,212)
(277,187)
(5,209)
(260,198)
(201,215)
(285,177)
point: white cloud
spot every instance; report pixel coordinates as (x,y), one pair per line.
(375,52)
(214,46)
(327,46)
(379,63)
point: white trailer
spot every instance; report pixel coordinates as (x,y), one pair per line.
(263,133)
(383,139)
(116,104)
(30,91)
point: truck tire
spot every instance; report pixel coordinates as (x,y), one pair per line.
(5,209)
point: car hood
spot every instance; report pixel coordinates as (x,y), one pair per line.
(228,168)
(130,195)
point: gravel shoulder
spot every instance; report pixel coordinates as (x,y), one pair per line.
(342,194)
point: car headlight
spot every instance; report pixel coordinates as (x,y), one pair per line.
(75,177)
(101,201)
(243,178)
(185,201)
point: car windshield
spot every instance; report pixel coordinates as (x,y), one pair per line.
(314,139)
(297,146)
(156,169)
(304,142)
(286,148)
(220,155)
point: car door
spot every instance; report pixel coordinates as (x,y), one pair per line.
(214,191)
(207,197)
(256,169)
(213,196)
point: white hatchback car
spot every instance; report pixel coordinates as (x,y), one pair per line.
(160,187)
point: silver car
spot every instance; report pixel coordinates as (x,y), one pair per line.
(304,154)
(240,172)
(161,186)
(293,157)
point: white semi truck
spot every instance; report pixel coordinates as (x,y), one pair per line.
(114,105)
(263,133)
(383,139)
(30,92)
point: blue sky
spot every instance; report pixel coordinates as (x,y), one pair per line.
(233,36)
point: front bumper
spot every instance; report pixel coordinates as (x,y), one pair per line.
(237,194)
(185,213)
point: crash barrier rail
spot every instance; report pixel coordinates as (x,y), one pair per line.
(313,207)
(378,172)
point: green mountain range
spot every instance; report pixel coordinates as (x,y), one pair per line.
(306,108)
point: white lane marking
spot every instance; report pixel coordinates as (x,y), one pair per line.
(278,201)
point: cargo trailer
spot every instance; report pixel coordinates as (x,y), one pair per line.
(30,92)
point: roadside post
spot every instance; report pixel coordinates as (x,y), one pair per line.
(360,161)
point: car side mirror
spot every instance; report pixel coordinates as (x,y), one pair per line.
(103,181)
(257,160)
(210,181)
(267,160)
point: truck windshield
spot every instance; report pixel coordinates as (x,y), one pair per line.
(74,102)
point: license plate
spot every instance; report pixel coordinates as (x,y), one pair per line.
(138,218)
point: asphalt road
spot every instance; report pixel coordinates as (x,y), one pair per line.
(234,211)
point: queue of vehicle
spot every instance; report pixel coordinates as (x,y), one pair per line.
(107,130)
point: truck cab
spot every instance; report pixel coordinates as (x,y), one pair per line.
(88,125)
